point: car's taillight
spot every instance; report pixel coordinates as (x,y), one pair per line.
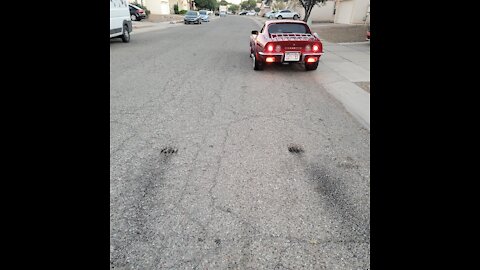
(315,47)
(278,48)
(140,10)
(311,60)
(270,48)
(308,48)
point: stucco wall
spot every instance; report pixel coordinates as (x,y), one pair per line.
(344,12)
(360,8)
(158,7)
(323,13)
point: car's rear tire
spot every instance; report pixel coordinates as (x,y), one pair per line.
(313,66)
(133,17)
(126,34)
(296,17)
(280,17)
(270,17)
(257,65)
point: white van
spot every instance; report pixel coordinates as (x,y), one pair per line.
(120,22)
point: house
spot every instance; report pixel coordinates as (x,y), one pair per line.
(165,7)
(182,5)
(320,13)
(337,11)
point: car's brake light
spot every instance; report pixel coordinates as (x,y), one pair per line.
(270,48)
(140,10)
(315,47)
(278,48)
(308,48)
(312,60)
(270,59)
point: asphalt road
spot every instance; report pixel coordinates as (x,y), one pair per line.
(201,176)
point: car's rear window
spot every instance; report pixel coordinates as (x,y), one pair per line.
(202,12)
(287,28)
(192,13)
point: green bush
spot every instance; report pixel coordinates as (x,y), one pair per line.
(182,12)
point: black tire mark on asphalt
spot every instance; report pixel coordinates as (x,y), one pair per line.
(339,203)
(140,208)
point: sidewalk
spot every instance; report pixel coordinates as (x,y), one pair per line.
(344,71)
(146,26)
(155,20)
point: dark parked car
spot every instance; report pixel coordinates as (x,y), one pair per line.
(136,13)
(243,13)
(192,17)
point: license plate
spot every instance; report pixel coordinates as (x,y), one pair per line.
(292,56)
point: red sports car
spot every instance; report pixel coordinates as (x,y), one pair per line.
(285,41)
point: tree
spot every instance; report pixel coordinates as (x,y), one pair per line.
(233,8)
(249,4)
(308,6)
(279,5)
(206,4)
(223,3)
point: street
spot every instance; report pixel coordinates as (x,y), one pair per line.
(216,166)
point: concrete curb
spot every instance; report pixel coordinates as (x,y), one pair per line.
(152,24)
(355,100)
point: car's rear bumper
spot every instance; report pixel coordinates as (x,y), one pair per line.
(279,57)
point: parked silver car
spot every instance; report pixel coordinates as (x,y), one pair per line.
(270,14)
(204,15)
(287,14)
